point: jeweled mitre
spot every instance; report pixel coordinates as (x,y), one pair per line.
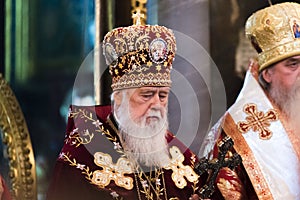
(275,33)
(139,55)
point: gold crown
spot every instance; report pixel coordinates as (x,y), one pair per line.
(275,33)
(139,55)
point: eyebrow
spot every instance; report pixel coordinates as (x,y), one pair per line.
(293,59)
(143,90)
(148,90)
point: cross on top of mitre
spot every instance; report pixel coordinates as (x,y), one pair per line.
(137,17)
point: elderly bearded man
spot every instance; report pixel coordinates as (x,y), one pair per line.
(264,120)
(128,153)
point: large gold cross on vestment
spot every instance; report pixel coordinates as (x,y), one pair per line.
(257,121)
(111,171)
(180,171)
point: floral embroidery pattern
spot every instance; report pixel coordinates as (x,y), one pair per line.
(258,121)
(75,138)
(115,195)
(85,169)
(85,137)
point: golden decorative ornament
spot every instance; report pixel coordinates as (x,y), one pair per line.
(180,170)
(139,6)
(275,33)
(18,148)
(111,171)
(258,121)
(137,17)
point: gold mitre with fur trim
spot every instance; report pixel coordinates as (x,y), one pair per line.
(275,33)
(139,55)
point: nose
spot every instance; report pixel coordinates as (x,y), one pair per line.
(155,101)
(298,73)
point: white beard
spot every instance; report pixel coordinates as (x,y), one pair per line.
(146,143)
(289,103)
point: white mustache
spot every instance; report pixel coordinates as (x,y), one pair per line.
(154,113)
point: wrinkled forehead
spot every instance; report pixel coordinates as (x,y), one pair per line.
(285,61)
(146,89)
(136,91)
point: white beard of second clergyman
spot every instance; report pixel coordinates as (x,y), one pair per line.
(288,101)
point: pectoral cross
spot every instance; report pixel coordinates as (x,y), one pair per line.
(137,17)
(214,166)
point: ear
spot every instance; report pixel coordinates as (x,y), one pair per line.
(118,98)
(267,75)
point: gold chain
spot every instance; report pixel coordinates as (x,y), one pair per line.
(157,174)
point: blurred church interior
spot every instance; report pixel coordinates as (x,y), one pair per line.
(47,56)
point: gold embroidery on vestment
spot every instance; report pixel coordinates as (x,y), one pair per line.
(111,171)
(258,121)
(179,169)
